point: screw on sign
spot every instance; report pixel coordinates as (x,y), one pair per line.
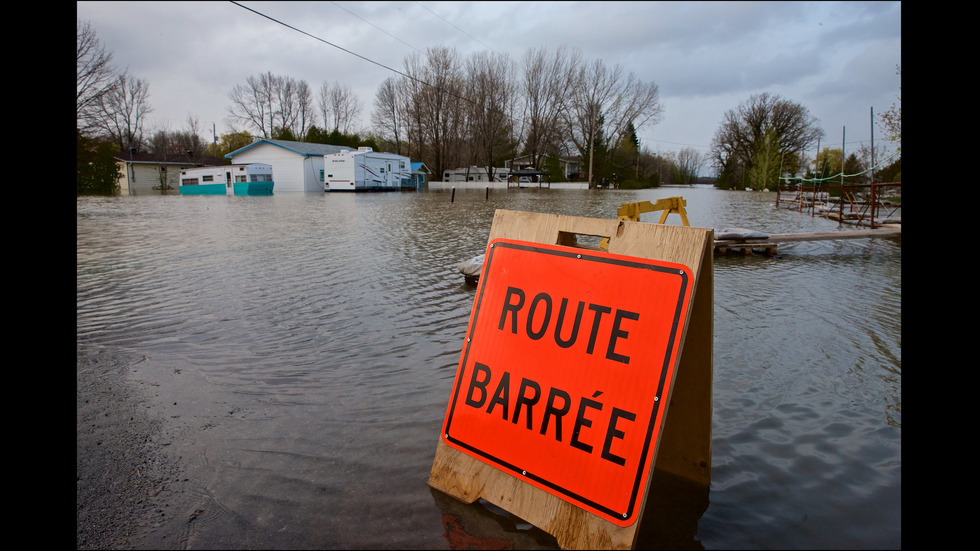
(568,360)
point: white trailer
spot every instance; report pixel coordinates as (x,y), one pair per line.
(245,179)
(365,170)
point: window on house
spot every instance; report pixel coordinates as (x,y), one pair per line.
(208,178)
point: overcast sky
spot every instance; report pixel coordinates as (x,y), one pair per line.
(837,59)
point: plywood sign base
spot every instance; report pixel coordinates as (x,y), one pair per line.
(684,443)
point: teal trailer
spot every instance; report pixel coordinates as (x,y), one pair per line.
(245,179)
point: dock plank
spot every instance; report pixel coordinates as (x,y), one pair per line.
(824,236)
(770,245)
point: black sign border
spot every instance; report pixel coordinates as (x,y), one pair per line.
(578,254)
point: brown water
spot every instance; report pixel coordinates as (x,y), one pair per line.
(303,346)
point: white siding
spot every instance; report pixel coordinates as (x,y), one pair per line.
(314,165)
(290,170)
(146,176)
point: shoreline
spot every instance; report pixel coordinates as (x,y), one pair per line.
(126,486)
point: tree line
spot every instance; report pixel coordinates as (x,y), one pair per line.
(766,138)
(481,110)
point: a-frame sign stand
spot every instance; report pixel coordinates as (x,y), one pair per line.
(471,462)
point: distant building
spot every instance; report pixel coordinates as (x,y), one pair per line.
(150,173)
(570,167)
(420,175)
(474,174)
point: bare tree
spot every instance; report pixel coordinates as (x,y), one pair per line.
(95,77)
(123,111)
(596,87)
(411,91)
(270,104)
(323,104)
(636,104)
(305,109)
(871,160)
(434,96)
(285,110)
(387,117)
(252,104)
(743,128)
(546,80)
(339,107)
(490,92)
(689,165)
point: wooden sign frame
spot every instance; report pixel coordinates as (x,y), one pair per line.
(684,444)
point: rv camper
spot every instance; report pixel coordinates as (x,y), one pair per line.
(365,170)
(247,179)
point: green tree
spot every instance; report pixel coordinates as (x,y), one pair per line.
(284,133)
(764,171)
(602,168)
(625,157)
(315,134)
(854,170)
(737,138)
(890,173)
(233,141)
(552,167)
(96,173)
(336,137)
(828,164)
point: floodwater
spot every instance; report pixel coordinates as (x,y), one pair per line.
(304,345)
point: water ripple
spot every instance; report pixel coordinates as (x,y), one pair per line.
(309,342)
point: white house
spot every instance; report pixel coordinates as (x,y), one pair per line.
(296,165)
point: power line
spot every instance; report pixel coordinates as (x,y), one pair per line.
(457,28)
(355,54)
(376,27)
(288,26)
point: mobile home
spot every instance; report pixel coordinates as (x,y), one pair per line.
(365,170)
(246,179)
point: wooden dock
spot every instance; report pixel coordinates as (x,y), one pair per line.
(769,246)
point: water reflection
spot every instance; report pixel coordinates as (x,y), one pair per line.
(670,520)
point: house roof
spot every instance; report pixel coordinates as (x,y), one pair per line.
(420,167)
(169,159)
(301,148)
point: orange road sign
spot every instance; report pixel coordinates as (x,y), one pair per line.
(564,377)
